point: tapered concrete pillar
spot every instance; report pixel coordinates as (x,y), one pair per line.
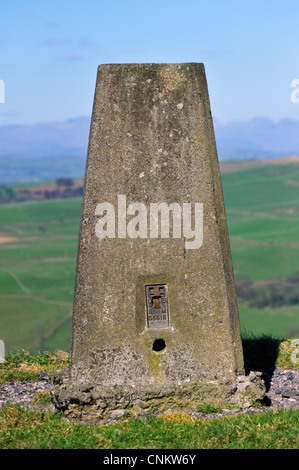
(155,309)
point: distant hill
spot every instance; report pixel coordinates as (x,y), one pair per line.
(23,169)
(43,151)
(58,149)
(257,138)
(68,138)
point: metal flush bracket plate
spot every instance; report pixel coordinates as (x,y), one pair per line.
(157,306)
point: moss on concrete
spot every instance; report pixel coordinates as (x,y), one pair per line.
(90,401)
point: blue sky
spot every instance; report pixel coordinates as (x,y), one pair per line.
(50,50)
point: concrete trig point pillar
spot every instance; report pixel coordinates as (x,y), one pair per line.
(155,321)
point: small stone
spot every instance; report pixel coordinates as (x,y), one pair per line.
(52,408)
(101,403)
(142,404)
(116,414)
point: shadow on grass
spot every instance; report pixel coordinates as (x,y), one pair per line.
(260,352)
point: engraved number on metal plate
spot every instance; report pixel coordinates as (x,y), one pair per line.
(157,306)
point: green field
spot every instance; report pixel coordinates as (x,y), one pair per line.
(37,272)
(37,265)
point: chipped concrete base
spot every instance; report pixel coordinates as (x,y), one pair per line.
(91,402)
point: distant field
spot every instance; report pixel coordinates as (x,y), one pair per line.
(262,206)
(38,247)
(37,271)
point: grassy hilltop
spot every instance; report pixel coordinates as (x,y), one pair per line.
(39,240)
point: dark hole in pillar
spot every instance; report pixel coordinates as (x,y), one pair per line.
(159,345)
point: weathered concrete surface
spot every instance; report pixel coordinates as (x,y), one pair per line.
(152,140)
(90,402)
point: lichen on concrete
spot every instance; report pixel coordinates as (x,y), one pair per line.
(90,402)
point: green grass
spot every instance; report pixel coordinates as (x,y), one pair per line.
(8,284)
(268,188)
(262,206)
(44,279)
(40,211)
(21,365)
(24,429)
(281,321)
(37,272)
(63,335)
(24,321)
(264,262)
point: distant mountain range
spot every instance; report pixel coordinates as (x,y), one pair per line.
(46,139)
(257,138)
(55,149)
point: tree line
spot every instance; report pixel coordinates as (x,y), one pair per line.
(64,188)
(272,293)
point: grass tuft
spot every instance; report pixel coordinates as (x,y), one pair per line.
(21,365)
